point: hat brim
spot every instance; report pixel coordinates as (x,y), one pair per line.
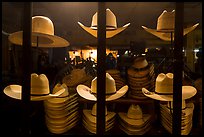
(137,123)
(166,35)
(44,40)
(15,91)
(187,92)
(109,33)
(84,92)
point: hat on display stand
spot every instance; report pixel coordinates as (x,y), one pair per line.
(166,25)
(111,92)
(39,89)
(42,34)
(111,25)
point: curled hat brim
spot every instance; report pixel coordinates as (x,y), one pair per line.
(166,34)
(109,33)
(84,92)
(187,92)
(44,40)
(15,91)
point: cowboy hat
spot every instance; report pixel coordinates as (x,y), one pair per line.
(166,25)
(91,114)
(42,34)
(77,76)
(140,62)
(111,93)
(39,89)
(111,25)
(134,116)
(164,89)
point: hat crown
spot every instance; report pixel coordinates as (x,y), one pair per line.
(164,83)
(134,112)
(140,62)
(42,24)
(110,20)
(110,85)
(39,84)
(94,110)
(166,21)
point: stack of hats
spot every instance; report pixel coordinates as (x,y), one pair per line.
(61,113)
(89,119)
(140,74)
(76,77)
(134,122)
(164,92)
(115,74)
(186,118)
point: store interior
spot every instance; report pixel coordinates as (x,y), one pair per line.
(75,63)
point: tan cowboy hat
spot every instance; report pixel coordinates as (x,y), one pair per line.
(111,93)
(77,76)
(164,89)
(39,89)
(42,33)
(111,25)
(134,116)
(140,62)
(166,25)
(91,114)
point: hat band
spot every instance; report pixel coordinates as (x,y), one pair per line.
(110,27)
(39,94)
(163,93)
(62,96)
(140,69)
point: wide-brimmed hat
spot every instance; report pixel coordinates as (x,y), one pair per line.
(91,115)
(140,62)
(164,89)
(134,116)
(42,33)
(111,25)
(111,92)
(77,76)
(166,25)
(39,89)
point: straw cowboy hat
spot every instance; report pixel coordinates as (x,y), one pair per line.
(166,25)
(91,114)
(111,25)
(111,93)
(164,89)
(39,89)
(77,76)
(134,116)
(42,33)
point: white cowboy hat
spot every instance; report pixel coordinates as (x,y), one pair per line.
(111,93)
(164,89)
(42,33)
(111,25)
(39,89)
(134,117)
(166,25)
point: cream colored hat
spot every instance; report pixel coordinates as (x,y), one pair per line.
(140,62)
(43,32)
(111,25)
(39,89)
(166,25)
(134,116)
(91,114)
(164,89)
(111,93)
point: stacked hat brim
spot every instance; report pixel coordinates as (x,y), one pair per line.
(134,127)
(139,78)
(186,118)
(89,120)
(61,114)
(119,81)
